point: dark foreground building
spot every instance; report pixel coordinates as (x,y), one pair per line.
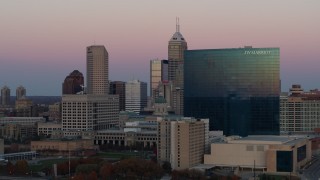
(237,89)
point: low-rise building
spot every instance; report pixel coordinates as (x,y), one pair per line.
(21,120)
(76,146)
(264,153)
(17,131)
(46,128)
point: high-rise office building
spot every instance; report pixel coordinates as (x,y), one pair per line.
(237,89)
(119,88)
(158,73)
(299,111)
(20,92)
(87,112)
(136,96)
(73,83)
(5,96)
(97,70)
(182,141)
(177,46)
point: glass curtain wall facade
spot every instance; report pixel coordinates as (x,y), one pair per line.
(237,89)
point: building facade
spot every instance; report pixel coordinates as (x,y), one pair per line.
(177,46)
(97,70)
(119,88)
(237,89)
(5,96)
(21,120)
(47,128)
(158,73)
(182,141)
(89,112)
(136,96)
(73,83)
(261,153)
(299,111)
(20,92)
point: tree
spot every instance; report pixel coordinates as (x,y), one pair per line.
(107,170)
(10,168)
(22,167)
(79,176)
(166,166)
(92,176)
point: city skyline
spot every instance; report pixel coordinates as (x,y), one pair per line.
(43,41)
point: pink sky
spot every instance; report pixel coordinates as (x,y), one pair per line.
(42,41)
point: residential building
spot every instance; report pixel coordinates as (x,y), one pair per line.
(97,70)
(119,88)
(20,92)
(182,141)
(299,111)
(73,83)
(5,96)
(237,89)
(136,96)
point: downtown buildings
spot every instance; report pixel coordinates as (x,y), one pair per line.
(158,74)
(136,96)
(20,92)
(237,89)
(95,109)
(5,96)
(73,83)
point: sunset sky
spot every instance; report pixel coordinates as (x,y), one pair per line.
(42,41)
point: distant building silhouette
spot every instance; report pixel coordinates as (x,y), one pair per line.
(20,92)
(5,96)
(136,96)
(158,73)
(119,88)
(72,83)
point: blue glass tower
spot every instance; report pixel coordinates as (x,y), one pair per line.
(237,89)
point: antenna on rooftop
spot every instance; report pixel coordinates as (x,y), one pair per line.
(177,25)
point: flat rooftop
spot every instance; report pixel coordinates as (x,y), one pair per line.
(267,139)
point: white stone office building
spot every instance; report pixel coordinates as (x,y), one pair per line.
(89,113)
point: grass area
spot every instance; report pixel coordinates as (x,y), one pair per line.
(117,155)
(45,164)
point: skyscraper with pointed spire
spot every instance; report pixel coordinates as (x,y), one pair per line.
(177,46)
